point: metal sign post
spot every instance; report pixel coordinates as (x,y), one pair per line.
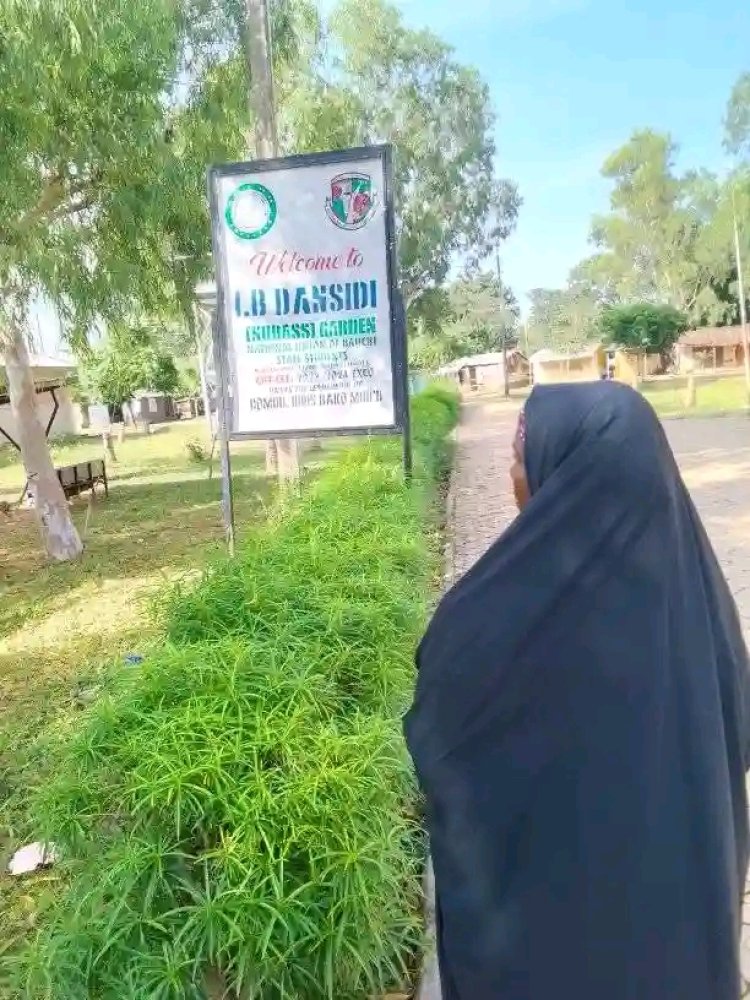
(222,413)
(408,455)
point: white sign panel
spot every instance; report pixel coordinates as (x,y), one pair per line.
(304,263)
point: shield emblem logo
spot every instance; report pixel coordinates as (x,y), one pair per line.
(352,200)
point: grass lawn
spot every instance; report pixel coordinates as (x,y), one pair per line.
(713,395)
(60,623)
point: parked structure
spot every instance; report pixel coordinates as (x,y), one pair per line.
(59,414)
(711,347)
(152,408)
(631,366)
(588,365)
(487,371)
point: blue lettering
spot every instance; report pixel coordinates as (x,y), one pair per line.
(257,302)
(336,298)
(320,302)
(283,304)
(301,301)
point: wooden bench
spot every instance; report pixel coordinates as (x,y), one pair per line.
(76,479)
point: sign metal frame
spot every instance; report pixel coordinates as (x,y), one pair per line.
(382,155)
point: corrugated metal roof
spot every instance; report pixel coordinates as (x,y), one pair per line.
(48,361)
(547,354)
(479,361)
(712,336)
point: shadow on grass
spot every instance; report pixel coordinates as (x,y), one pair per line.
(56,618)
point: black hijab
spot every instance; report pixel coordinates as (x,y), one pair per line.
(580,730)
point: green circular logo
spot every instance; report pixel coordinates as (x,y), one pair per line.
(251,211)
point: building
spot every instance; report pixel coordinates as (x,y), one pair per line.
(631,366)
(487,371)
(59,414)
(587,365)
(711,348)
(153,408)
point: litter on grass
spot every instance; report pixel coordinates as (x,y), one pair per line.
(32,856)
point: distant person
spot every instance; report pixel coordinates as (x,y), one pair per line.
(581,728)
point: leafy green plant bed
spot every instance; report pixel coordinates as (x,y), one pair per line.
(237,816)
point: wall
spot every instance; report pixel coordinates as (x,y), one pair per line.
(570,370)
(67,421)
(729,356)
(632,366)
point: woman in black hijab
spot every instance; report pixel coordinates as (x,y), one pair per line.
(581,729)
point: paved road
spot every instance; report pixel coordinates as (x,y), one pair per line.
(714,455)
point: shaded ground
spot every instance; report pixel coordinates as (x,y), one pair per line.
(162,518)
(714,455)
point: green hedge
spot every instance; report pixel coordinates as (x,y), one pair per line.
(240,808)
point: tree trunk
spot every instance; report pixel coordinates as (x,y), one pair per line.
(272,458)
(690,399)
(85,419)
(109,447)
(58,533)
(204,387)
(282,456)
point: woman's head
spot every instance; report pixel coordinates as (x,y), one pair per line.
(601,428)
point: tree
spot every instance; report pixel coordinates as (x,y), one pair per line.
(127,362)
(563,319)
(379,81)
(659,243)
(479,313)
(643,327)
(81,127)
(484,313)
(110,112)
(737,119)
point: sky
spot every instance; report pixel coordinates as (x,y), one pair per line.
(571,80)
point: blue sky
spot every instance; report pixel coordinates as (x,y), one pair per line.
(571,80)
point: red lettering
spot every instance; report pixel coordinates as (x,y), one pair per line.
(270,262)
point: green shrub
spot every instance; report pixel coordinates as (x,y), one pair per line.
(238,814)
(447,394)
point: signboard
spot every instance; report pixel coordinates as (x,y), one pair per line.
(310,336)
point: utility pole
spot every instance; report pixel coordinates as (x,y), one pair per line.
(741,294)
(506,374)
(263,110)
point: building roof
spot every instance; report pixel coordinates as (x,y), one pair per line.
(712,336)
(47,371)
(48,361)
(479,361)
(547,354)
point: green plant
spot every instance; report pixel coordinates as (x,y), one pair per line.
(240,809)
(129,359)
(643,326)
(196,452)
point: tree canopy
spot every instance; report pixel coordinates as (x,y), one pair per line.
(128,361)
(668,238)
(643,326)
(479,313)
(381,81)
(659,242)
